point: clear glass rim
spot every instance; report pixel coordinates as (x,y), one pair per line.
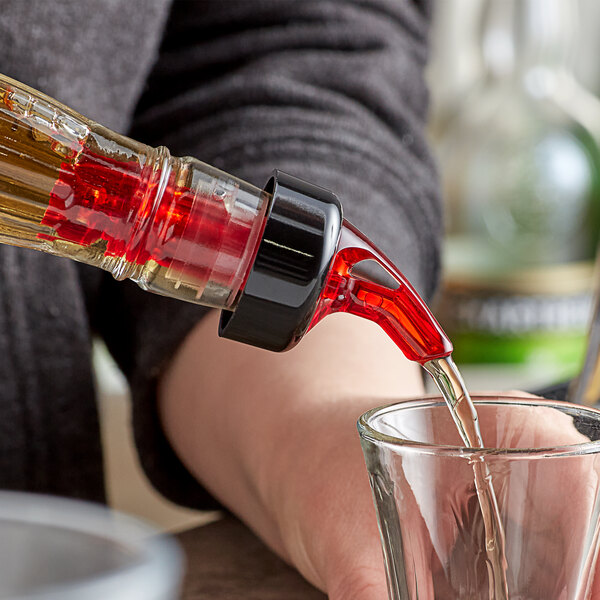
(370,434)
(158,570)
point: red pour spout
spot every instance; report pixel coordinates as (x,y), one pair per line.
(399,311)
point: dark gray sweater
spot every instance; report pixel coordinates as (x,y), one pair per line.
(329,90)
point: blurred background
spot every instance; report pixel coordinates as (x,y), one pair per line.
(515,124)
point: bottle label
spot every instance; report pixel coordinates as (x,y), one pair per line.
(510,325)
(514,315)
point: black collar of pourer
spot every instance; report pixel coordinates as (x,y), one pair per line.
(300,239)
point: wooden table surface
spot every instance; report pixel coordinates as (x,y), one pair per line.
(226,561)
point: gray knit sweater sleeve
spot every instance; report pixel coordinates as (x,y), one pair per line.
(328,90)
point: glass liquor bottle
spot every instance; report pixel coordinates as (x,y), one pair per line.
(276,260)
(521,177)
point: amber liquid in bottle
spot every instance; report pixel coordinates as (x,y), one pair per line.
(71,187)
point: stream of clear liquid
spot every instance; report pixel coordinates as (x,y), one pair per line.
(451,385)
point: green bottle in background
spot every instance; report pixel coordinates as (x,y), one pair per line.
(520,168)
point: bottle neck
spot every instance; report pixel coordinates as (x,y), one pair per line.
(70,187)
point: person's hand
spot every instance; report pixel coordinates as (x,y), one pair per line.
(274,437)
(324,506)
(546,506)
(328,526)
(548,503)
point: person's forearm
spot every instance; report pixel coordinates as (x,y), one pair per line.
(257,427)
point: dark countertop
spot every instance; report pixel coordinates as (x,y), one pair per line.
(226,561)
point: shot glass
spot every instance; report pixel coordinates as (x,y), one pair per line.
(58,549)
(542,465)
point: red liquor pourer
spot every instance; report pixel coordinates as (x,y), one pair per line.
(311,263)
